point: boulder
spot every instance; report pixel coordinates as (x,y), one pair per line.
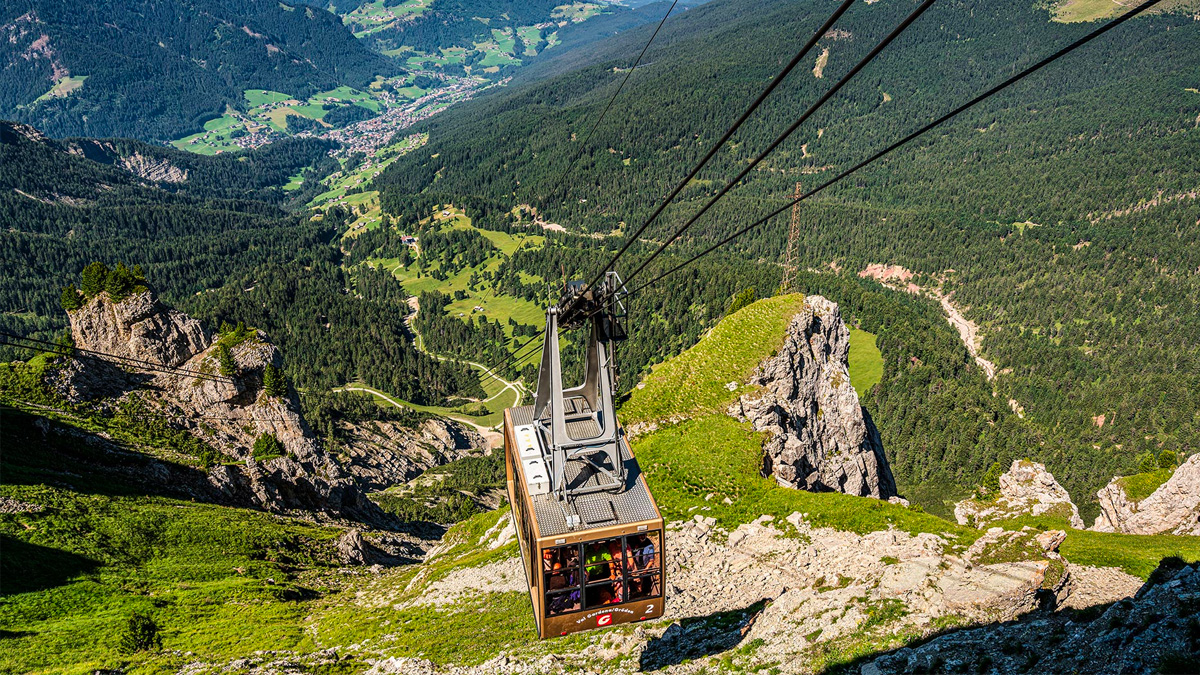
(1027,488)
(1173,508)
(821,438)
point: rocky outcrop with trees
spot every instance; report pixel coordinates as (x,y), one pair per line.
(1173,507)
(229,394)
(1027,488)
(821,438)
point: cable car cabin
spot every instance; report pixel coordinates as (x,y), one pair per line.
(593,561)
(591,535)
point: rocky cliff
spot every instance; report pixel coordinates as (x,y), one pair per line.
(1173,508)
(821,438)
(229,414)
(138,327)
(382,454)
(1027,488)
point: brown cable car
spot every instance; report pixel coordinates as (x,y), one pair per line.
(590,533)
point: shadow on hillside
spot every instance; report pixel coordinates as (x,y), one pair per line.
(697,637)
(26,567)
(40,452)
(1035,642)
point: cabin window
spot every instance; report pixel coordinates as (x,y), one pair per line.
(603,572)
(560,571)
(602,560)
(643,562)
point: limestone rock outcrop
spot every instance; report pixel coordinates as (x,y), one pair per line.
(1173,508)
(229,414)
(138,327)
(1148,633)
(1027,488)
(821,437)
(386,453)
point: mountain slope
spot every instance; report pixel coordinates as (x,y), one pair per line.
(1055,215)
(808,581)
(159,70)
(223,227)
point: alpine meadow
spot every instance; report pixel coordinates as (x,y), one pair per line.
(686,336)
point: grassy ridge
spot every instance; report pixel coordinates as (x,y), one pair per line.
(696,381)
(721,456)
(1141,485)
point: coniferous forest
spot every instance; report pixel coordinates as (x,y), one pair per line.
(1061,215)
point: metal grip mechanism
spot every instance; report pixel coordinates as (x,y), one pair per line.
(579,425)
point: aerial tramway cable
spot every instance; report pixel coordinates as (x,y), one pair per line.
(916,13)
(928,127)
(127,361)
(775,81)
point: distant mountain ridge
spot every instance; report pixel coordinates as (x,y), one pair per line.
(153,70)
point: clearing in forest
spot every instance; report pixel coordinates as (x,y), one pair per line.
(63,87)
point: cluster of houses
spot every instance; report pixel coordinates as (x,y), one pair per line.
(370,135)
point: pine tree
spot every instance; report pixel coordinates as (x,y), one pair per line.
(274,382)
(266,446)
(71,299)
(94,277)
(228,366)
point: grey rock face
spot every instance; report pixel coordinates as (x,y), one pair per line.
(138,327)
(1148,633)
(821,438)
(384,454)
(228,416)
(1174,507)
(1027,488)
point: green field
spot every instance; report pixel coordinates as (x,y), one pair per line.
(866,363)
(63,87)
(259,97)
(576,12)
(530,35)
(372,17)
(495,307)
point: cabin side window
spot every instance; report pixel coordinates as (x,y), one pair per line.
(643,564)
(603,572)
(561,574)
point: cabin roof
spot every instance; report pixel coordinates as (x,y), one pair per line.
(598,510)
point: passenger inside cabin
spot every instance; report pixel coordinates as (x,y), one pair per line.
(597,560)
(560,565)
(643,551)
(606,594)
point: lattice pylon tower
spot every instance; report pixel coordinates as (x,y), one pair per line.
(789,262)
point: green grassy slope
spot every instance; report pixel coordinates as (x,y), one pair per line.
(103,548)
(695,382)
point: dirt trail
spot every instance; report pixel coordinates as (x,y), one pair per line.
(967,330)
(493,437)
(898,278)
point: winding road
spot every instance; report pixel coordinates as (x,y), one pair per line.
(490,434)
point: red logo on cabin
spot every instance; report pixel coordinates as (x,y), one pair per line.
(604,620)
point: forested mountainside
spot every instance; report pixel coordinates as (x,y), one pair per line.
(155,70)
(461,23)
(205,224)
(1057,214)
